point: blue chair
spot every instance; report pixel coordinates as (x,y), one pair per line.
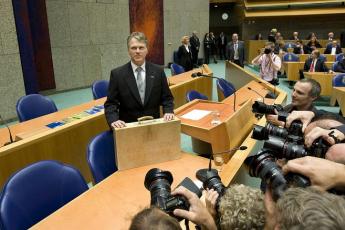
(339,80)
(100,89)
(334,66)
(175,57)
(290,57)
(224,89)
(34,105)
(323,57)
(176,69)
(339,57)
(192,95)
(101,156)
(36,191)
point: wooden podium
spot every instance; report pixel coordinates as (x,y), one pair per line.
(149,142)
(234,126)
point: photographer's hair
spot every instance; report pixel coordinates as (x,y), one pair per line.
(241,207)
(315,87)
(309,209)
(138,36)
(154,219)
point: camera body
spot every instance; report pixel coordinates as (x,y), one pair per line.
(158,182)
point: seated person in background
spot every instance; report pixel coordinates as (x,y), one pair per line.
(304,93)
(269,63)
(313,43)
(315,63)
(330,36)
(272,36)
(184,54)
(154,219)
(258,36)
(280,47)
(340,67)
(300,48)
(294,36)
(310,35)
(306,209)
(333,48)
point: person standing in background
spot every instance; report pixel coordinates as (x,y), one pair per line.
(184,54)
(235,51)
(207,48)
(195,47)
(222,42)
(213,47)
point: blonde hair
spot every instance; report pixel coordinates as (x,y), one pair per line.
(184,38)
(138,36)
(241,207)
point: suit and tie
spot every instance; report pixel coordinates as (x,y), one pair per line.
(235,52)
(318,65)
(124,99)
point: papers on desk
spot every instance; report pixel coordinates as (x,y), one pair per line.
(196,114)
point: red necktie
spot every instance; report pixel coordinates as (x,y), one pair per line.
(312,67)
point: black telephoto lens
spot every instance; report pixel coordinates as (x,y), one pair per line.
(259,107)
(211,180)
(284,149)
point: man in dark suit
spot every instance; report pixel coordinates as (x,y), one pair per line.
(315,63)
(184,54)
(340,67)
(333,48)
(235,51)
(195,46)
(222,42)
(300,48)
(137,88)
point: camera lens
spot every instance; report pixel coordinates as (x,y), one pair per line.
(158,183)
(283,149)
(259,107)
(211,180)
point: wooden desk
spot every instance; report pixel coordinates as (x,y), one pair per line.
(182,83)
(292,69)
(68,143)
(338,97)
(229,134)
(112,203)
(325,80)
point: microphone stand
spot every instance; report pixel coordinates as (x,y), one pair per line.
(223,152)
(263,99)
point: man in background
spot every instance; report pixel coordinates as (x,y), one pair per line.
(195,46)
(222,42)
(235,51)
(333,48)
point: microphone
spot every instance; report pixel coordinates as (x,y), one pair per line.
(227,151)
(9,131)
(198,74)
(263,99)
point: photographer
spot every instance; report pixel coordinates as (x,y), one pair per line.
(305,92)
(269,63)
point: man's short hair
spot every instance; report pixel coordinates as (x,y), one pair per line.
(154,219)
(315,87)
(317,52)
(271,44)
(308,208)
(138,36)
(241,207)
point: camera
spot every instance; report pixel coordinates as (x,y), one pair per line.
(158,182)
(263,165)
(267,50)
(262,108)
(211,180)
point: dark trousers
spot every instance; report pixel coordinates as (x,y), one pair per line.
(195,57)
(222,49)
(237,62)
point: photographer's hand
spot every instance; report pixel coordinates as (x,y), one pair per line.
(197,213)
(270,210)
(320,132)
(211,200)
(304,116)
(323,174)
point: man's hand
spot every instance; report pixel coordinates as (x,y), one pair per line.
(323,174)
(211,201)
(273,119)
(323,133)
(197,213)
(304,116)
(118,124)
(169,116)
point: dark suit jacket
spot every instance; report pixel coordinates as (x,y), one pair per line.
(194,43)
(319,67)
(123,101)
(230,52)
(340,67)
(328,49)
(297,50)
(185,58)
